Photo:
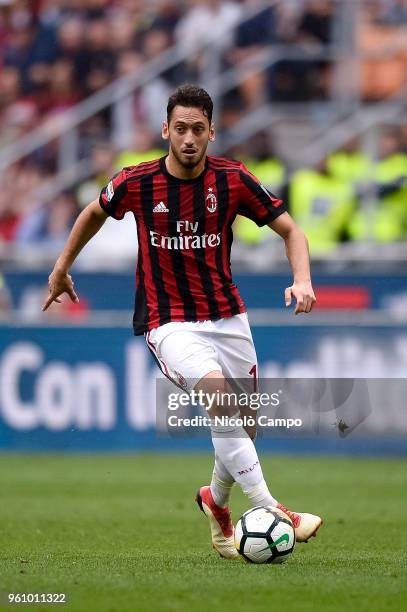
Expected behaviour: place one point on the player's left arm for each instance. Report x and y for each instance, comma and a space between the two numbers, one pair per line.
258, 204
296, 245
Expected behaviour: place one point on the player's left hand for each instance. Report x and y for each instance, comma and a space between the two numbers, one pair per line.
303, 293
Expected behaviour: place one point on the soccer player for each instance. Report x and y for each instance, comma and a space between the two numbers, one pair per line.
190, 312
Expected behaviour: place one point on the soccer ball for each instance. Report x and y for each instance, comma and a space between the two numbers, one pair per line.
264, 535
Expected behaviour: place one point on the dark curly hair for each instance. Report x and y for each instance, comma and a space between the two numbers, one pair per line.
191, 96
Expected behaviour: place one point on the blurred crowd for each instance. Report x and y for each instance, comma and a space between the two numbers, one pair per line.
54, 53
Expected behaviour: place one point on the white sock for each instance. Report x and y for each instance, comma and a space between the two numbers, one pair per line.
238, 454
221, 483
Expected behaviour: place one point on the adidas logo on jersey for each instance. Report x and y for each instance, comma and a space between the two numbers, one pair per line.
160, 208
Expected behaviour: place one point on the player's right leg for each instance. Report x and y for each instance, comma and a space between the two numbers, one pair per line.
220, 523
186, 358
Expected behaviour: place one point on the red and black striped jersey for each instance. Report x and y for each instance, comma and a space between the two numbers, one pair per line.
184, 230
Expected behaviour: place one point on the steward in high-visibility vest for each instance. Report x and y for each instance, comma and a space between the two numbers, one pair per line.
322, 206
382, 214
271, 174
350, 166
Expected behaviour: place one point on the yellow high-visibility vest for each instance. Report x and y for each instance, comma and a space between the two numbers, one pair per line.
322, 206
384, 220
353, 167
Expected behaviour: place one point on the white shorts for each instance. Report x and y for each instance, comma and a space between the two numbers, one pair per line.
188, 351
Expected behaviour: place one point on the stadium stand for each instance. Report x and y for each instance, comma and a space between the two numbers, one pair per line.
289, 62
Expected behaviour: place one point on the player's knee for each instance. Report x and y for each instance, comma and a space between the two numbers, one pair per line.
217, 394
214, 382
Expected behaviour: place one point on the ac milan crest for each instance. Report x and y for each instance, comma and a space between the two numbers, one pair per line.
211, 201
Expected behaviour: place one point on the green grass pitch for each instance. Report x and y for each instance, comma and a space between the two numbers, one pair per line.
122, 533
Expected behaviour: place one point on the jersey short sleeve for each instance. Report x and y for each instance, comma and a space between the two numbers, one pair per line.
114, 198
256, 202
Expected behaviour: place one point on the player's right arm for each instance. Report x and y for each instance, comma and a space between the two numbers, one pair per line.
86, 226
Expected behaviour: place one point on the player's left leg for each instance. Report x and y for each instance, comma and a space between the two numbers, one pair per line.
233, 444
238, 453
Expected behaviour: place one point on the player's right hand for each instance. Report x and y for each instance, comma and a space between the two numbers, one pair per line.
59, 283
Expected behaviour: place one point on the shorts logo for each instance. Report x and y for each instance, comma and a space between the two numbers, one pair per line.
109, 191
181, 380
211, 201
